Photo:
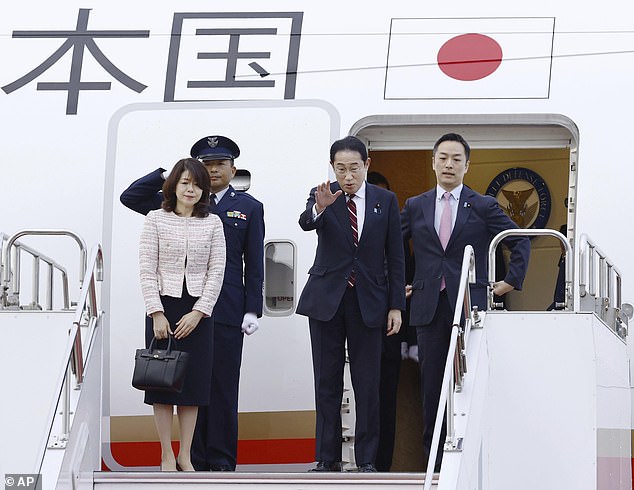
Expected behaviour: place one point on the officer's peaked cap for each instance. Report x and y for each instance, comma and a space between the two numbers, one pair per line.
215, 148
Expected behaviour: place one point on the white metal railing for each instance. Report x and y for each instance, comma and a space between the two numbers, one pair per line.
86, 315
568, 303
87, 309
456, 363
600, 287
10, 287
10, 291
599, 281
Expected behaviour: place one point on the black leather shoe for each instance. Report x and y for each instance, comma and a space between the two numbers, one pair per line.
221, 467
327, 466
367, 468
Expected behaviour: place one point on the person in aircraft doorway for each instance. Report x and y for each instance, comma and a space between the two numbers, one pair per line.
181, 267
441, 222
239, 306
354, 294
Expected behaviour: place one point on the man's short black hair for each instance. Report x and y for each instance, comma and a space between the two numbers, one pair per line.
453, 137
350, 143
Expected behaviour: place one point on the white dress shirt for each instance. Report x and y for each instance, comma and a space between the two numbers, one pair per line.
440, 205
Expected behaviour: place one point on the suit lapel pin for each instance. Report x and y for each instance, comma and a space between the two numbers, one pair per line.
467, 205
377, 208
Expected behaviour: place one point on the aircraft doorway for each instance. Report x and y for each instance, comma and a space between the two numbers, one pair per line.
530, 164
409, 173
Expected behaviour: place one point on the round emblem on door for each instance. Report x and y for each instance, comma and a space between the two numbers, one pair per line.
523, 195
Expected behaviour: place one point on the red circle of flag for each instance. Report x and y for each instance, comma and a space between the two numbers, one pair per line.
469, 57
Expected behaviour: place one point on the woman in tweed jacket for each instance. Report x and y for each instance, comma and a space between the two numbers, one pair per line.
182, 261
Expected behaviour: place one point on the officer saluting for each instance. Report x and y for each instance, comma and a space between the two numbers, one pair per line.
239, 304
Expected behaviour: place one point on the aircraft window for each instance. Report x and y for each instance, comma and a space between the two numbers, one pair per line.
279, 278
241, 180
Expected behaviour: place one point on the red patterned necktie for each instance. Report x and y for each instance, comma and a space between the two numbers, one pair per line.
444, 230
352, 214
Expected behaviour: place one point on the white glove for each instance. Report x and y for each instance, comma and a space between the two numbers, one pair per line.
250, 323
413, 352
404, 355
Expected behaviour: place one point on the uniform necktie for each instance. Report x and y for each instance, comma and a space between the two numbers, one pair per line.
352, 214
212, 203
444, 230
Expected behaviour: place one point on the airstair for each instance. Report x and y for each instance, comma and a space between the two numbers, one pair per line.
52, 369
533, 399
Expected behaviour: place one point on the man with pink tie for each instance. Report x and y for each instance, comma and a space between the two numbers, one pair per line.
441, 222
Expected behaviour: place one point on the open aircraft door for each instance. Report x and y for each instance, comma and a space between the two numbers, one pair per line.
278, 164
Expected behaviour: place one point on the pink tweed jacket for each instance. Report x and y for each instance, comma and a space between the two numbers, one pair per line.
166, 240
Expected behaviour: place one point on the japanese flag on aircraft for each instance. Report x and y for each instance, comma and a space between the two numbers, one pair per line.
484, 58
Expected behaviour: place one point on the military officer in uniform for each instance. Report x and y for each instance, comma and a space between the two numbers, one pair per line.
240, 302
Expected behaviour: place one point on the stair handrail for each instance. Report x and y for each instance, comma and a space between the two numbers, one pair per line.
606, 271
464, 306
87, 314
11, 299
455, 364
445, 394
87, 308
605, 297
569, 288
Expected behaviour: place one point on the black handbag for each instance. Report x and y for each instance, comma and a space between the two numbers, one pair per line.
158, 369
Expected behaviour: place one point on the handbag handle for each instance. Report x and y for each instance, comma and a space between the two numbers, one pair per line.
169, 344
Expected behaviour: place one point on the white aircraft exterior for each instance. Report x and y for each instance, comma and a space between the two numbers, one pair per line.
96, 94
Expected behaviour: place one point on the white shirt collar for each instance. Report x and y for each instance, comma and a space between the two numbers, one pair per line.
455, 192
220, 194
361, 192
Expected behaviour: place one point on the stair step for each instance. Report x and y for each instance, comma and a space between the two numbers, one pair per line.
142, 480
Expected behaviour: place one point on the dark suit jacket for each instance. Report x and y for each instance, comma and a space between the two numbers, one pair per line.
378, 260
243, 220
478, 220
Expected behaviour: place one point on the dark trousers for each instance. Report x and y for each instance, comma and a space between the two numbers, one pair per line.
328, 340
215, 441
390, 370
433, 345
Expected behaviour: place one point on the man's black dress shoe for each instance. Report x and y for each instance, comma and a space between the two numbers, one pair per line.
367, 468
328, 466
221, 467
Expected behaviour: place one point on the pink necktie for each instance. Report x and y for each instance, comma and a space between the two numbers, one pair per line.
444, 230
352, 214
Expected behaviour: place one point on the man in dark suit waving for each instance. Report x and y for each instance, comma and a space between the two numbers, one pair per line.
441, 222
355, 293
